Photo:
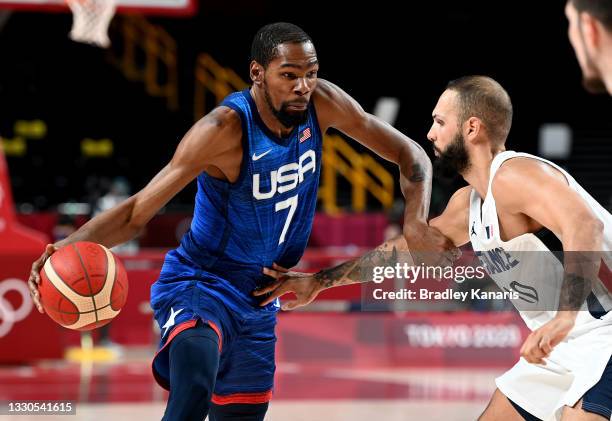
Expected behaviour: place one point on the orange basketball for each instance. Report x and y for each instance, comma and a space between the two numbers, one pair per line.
83, 286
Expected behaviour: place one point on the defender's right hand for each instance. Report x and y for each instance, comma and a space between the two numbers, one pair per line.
34, 279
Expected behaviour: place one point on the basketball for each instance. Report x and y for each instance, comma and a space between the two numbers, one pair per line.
83, 286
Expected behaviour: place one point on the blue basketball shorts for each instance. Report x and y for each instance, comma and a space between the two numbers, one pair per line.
182, 295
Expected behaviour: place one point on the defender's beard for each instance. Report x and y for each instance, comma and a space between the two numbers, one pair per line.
454, 160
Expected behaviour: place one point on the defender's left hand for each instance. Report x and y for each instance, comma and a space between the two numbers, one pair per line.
541, 342
304, 285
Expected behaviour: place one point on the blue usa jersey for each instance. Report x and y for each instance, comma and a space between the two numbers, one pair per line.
266, 215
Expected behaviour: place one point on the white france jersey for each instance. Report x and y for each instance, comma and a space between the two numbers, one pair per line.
526, 266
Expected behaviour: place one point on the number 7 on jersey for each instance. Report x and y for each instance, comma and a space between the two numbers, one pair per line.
290, 203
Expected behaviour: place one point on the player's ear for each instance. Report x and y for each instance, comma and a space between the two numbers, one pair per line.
257, 73
472, 128
591, 29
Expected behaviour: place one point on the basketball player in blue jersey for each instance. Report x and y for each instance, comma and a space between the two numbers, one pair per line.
515, 202
257, 159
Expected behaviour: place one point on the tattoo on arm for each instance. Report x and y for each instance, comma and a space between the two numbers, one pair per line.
574, 292
357, 270
415, 183
418, 175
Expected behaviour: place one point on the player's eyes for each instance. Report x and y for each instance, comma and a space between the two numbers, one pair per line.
312, 74
289, 75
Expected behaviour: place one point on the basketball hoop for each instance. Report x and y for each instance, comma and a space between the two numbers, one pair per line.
91, 19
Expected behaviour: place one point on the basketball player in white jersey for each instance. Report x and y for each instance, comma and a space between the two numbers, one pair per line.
512, 198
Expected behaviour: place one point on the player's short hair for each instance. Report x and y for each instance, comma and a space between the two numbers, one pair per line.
484, 98
264, 48
599, 9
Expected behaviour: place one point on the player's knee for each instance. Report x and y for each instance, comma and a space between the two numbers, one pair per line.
194, 360
486, 415
500, 408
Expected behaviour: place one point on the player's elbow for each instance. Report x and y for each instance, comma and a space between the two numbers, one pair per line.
594, 226
135, 228
589, 231
421, 156
414, 162
134, 221
135, 225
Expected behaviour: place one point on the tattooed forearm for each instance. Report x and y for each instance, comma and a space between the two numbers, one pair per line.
418, 174
574, 292
335, 276
358, 270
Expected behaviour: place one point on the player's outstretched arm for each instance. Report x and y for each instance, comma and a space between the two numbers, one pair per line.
307, 286
452, 225
518, 189
335, 108
211, 139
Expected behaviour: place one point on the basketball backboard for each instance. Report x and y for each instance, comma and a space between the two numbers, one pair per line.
155, 7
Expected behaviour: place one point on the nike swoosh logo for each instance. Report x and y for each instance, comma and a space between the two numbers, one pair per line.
256, 157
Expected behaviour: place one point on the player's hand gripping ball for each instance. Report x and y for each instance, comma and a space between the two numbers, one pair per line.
83, 286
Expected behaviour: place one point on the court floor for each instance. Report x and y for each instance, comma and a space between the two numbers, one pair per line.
304, 410
125, 390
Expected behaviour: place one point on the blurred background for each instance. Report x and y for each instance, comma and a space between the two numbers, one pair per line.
84, 127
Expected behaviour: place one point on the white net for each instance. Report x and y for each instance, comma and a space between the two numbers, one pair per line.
91, 19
